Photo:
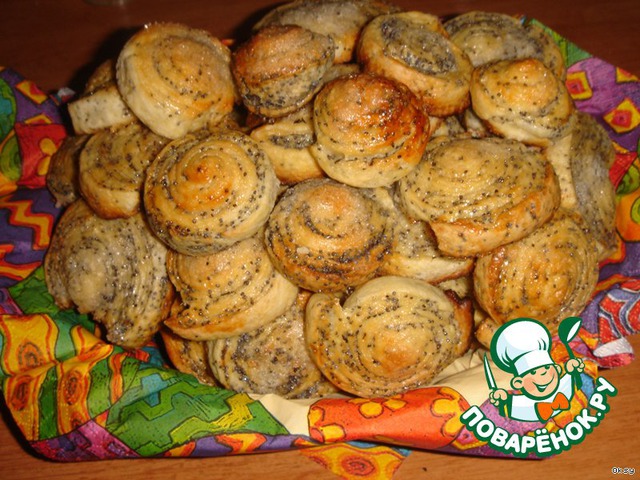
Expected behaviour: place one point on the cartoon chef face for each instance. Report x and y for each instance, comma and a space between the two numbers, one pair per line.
538, 383
522, 348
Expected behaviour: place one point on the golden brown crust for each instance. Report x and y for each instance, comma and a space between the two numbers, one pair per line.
112, 168
327, 236
478, 194
280, 67
548, 275
413, 48
188, 356
341, 20
522, 100
111, 269
392, 334
176, 79
227, 293
370, 130
204, 193
270, 359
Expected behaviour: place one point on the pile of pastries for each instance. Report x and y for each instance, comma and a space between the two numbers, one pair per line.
347, 200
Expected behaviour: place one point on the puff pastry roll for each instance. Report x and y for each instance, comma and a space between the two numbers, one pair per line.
113, 270
392, 334
582, 160
62, 176
100, 105
478, 194
414, 251
287, 142
228, 292
341, 20
522, 100
548, 275
113, 166
280, 67
176, 79
488, 37
413, 48
188, 356
206, 192
370, 130
270, 359
327, 236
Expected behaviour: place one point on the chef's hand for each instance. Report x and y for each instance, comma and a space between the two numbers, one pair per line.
574, 365
498, 396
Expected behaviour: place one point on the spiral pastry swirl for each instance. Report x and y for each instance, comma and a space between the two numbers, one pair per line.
414, 251
227, 293
280, 68
582, 160
113, 166
522, 100
341, 20
478, 194
392, 334
370, 131
176, 79
206, 192
488, 37
327, 236
270, 359
548, 275
113, 270
62, 176
413, 48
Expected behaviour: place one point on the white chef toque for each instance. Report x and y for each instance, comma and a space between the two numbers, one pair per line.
521, 345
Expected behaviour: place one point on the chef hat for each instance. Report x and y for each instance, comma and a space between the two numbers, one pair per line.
521, 345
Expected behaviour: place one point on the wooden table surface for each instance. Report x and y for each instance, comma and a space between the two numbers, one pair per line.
57, 43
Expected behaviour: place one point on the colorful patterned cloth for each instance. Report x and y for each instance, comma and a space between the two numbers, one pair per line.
75, 397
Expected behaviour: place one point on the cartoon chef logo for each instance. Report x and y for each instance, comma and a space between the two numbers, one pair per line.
522, 348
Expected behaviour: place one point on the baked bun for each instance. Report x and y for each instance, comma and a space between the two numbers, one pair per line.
392, 334
287, 142
522, 100
340, 20
413, 48
414, 250
488, 37
478, 194
280, 67
112, 168
227, 293
188, 356
270, 359
327, 236
582, 160
62, 176
176, 79
111, 269
548, 275
206, 192
100, 106
370, 130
